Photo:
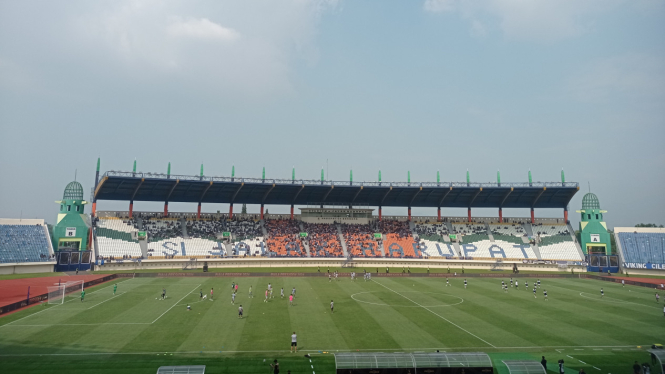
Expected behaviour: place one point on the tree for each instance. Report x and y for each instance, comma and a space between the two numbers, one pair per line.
244, 209
647, 225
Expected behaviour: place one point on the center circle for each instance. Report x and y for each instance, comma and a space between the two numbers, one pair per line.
407, 299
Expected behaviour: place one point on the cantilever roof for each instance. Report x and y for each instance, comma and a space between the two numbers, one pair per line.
130, 186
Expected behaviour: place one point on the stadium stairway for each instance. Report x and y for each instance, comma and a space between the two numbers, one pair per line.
534, 247
262, 223
536, 251
528, 229
305, 243
383, 252
449, 226
489, 232
341, 240
458, 250
183, 224
48, 237
577, 244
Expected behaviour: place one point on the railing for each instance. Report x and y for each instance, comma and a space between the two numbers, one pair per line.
315, 182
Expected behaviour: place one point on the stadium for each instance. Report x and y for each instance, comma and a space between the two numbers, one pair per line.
390, 187
148, 291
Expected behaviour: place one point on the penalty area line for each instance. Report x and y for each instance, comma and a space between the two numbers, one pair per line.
41, 311
176, 303
102, 302
270, 351
438, 315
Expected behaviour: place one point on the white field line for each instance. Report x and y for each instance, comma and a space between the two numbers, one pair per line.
438, 315
268, 351
176, 303
615, 301
85, 324
120, 294
41, 311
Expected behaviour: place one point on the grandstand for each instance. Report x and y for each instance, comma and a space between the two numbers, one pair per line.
25, 241
330, 226
360, 241
641, 247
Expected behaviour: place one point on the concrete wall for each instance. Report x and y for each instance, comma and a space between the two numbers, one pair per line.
329, 220
12, 221
27, 268
380, 263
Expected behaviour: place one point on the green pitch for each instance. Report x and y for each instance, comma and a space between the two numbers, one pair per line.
136, 332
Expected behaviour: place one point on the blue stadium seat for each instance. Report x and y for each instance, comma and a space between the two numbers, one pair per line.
23, 243
643, 247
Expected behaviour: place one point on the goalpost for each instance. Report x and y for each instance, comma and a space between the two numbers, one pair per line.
64, 292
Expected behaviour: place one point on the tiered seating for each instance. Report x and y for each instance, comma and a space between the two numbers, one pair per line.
323, 240
162, 228
433, 232
114, 240
643, 247
23, 243
213, 228
470, 232
544, 230
398, 235
359, 239
555, 243
283, 234
431, 240
508, 232
497, 249
180, 247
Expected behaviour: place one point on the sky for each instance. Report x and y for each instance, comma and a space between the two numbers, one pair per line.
397, 86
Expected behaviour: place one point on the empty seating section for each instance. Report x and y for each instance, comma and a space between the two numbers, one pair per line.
555, 242
114, 239
475, 241
284, 238
643, 247
566, 250
397, 236
360, 241
508, 232
323, 240
431, 248
24, 243
486, 249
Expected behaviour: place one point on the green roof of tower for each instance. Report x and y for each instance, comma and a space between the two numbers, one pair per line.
590, 202
73, 191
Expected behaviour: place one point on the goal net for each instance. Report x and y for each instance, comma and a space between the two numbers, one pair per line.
64, 292
191, 264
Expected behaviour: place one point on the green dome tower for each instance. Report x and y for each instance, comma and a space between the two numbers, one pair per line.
594, 237
72, 229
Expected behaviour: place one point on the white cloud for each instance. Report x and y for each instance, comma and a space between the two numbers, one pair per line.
252, 46
201, 28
